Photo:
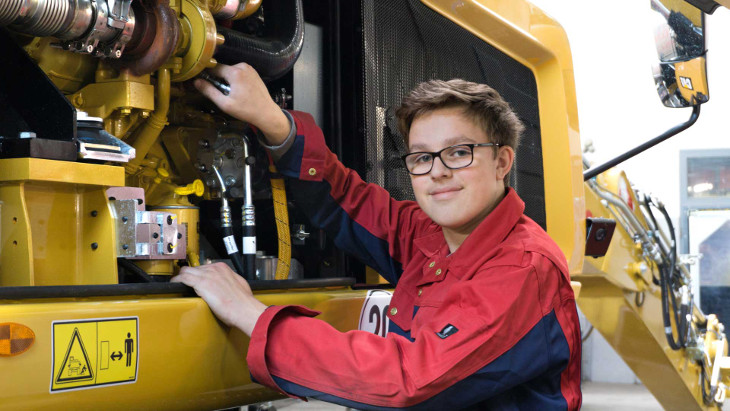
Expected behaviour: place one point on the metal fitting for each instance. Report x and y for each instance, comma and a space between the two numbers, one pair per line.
98, 27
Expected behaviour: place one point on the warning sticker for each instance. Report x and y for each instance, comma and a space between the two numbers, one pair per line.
92, 353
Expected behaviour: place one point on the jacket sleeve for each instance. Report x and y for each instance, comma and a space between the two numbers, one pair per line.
362, 218
490, 333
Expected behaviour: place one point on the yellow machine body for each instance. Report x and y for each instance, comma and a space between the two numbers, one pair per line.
186, 359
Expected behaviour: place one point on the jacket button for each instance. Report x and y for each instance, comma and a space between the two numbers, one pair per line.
393, 311
420, 291
438, 272
312, 171
432, 264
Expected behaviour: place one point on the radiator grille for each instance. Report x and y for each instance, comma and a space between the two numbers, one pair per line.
405, 43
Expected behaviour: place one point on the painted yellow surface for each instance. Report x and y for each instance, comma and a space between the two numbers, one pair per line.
50, 211
691, 78
187, 358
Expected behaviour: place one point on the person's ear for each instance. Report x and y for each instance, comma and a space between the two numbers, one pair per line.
505, 158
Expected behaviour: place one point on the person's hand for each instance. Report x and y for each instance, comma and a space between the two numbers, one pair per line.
228, 295
249, 100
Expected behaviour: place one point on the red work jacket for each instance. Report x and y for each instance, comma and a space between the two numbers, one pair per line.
492, 326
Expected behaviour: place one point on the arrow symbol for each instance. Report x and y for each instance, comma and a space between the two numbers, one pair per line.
116, 355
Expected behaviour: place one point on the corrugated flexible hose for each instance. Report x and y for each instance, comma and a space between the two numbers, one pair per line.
281, 213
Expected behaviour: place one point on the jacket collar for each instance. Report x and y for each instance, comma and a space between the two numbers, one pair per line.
488, 234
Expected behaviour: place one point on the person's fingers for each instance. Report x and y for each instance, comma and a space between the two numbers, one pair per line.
224, 71
208, 90
188, 279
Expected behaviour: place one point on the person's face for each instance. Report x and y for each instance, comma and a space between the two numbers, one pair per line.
457, 200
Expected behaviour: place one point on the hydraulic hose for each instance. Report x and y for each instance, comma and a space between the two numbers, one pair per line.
668, 297
135, 269
281, 214
227, 225
249, 214
273, 56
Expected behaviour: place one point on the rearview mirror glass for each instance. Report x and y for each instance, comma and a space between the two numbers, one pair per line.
680, 74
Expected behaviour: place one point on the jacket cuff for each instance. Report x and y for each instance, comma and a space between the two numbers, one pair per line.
256, 356
278, 151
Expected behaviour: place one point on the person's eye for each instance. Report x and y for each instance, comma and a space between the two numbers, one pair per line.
422, 158
458, 152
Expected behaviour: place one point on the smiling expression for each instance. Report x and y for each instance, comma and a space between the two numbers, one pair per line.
457, 200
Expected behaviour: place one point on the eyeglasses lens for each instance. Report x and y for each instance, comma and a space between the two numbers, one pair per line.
453, 157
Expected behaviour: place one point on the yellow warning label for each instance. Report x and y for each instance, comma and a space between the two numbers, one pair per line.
92, 353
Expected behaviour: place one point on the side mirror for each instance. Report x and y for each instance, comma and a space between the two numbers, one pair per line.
681, 73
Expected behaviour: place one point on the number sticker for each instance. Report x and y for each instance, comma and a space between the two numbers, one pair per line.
373, 316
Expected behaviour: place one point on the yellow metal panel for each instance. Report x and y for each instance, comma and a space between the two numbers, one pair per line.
187, 358
23, 169
637, 335
16, 253
528, 35
57, 224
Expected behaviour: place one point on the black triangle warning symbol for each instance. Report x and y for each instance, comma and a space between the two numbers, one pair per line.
76, 365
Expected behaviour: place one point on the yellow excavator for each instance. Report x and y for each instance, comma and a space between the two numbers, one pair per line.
115, 172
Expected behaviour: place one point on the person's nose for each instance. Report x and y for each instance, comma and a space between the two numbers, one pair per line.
439, 169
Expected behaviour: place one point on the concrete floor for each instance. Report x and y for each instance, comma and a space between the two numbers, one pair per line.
596, 397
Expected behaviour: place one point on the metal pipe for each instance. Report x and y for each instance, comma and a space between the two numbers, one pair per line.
151, 129
249, 216
82, 25
639, 149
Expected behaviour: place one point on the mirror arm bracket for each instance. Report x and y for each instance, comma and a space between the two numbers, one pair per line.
588, 174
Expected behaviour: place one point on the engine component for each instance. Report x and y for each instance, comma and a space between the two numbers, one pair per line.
154, 39
271, 57
225, 153
145, 235
199, 40
98, 27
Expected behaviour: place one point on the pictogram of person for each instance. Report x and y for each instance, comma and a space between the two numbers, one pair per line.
129, 348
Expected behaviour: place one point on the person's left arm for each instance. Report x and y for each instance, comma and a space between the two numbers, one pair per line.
497, 330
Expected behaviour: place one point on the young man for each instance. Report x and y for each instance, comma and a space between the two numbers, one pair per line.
483, 315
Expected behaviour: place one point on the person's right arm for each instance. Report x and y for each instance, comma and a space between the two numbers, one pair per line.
249, 101
362, 218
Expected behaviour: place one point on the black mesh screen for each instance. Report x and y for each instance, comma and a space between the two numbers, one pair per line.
405, 43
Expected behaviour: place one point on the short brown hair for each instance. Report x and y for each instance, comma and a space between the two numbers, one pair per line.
481, 103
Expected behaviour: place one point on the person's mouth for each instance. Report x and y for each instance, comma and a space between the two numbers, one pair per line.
444, 193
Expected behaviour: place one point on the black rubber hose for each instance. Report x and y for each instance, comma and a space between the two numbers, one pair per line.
235, 256
667, 285
134, 269
273, 56
682, 324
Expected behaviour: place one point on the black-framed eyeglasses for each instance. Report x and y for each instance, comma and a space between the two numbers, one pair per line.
453, 157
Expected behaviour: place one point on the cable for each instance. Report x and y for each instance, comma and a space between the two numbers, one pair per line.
227, 224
